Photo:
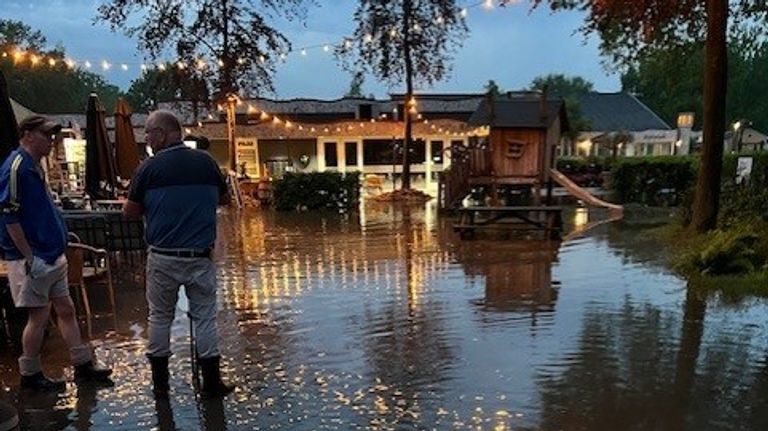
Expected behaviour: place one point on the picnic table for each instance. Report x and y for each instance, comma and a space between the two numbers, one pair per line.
542, 218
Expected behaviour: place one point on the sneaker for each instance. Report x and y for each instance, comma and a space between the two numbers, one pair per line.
91, 373
39, 382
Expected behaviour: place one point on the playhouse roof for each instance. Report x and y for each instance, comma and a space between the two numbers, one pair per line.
519, 112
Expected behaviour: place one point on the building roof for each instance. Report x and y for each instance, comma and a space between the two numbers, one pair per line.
618, 111
518, 111
343, 108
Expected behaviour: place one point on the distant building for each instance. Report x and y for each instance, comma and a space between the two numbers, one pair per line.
622, 124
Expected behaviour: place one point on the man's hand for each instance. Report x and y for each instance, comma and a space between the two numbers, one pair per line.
132, 209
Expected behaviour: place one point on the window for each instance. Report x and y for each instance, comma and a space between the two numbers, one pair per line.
364, 111
515, 148
382, 151
437, 152
418, 151
350, 149
331, 157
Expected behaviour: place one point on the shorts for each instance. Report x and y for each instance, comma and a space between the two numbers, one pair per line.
36, 292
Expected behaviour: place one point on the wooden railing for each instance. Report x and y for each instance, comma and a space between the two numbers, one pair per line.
454, 182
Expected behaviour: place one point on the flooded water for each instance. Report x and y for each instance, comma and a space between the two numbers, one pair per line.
388, 321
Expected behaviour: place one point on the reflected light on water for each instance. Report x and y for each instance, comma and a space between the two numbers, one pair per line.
390, 321
580, 217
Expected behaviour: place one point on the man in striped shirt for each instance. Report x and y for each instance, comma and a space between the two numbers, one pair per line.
33, 239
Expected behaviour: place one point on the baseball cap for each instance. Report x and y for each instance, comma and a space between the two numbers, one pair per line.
41, 123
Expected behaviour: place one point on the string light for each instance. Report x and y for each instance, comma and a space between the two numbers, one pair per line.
346, 42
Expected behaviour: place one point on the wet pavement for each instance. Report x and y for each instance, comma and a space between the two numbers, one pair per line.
387, 320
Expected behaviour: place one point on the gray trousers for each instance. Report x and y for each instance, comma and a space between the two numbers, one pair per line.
165, 274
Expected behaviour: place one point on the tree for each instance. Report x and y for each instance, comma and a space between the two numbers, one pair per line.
670, 81
168, 84
569, 88
356, 85
17, 35
629, 30
405, 40
43, 87
492, 89
234, 34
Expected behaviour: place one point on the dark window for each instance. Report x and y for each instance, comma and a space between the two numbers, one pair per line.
418, 151
331, 158
382, 151
350, 150
515, 148
437, 152
400, 111
364, 111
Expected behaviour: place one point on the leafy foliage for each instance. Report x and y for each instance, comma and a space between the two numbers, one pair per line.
156, 85
653, 180
317, 191
45, 88
569, 88
671, 80
737, 250
235, 33
389, 34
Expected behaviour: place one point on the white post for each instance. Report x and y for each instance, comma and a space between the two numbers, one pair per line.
320, 154
427, 163
360, 165
341, 155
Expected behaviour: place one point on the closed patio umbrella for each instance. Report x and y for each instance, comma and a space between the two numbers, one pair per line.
125, 142
99, 159
9, 134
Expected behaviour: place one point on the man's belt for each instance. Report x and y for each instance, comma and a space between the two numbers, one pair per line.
183, 253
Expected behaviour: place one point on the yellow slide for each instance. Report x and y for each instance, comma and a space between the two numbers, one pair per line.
580, 193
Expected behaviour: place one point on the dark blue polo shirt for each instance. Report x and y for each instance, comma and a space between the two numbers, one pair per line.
179, 190
25, 199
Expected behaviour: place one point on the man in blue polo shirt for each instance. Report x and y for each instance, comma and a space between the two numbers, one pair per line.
33, 240
177, 191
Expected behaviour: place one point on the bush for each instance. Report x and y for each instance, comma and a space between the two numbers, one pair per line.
740, 249
655, 181
317, 190
585, 172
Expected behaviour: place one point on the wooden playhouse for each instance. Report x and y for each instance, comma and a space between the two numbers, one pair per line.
506, 173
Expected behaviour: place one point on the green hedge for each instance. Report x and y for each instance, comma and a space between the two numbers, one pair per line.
742, 200
655, 181
586, 172
317, 190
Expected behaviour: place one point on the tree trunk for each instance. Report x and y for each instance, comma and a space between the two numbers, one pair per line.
707, 199
408, 140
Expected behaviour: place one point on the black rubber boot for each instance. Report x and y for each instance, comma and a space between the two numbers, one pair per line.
9, 419
160, 386
91, 373
38, 382
212, 384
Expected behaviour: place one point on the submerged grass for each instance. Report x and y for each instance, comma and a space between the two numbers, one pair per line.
732, 260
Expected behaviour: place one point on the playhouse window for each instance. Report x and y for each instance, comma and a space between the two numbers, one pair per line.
515, 149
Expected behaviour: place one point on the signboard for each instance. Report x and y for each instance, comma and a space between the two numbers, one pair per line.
247, 157
743, 170
74, 151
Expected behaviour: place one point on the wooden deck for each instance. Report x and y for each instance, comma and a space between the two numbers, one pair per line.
547, 219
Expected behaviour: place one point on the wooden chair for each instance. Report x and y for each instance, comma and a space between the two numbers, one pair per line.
373, 184
86, 265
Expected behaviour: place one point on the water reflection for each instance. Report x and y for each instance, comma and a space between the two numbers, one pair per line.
390, 321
